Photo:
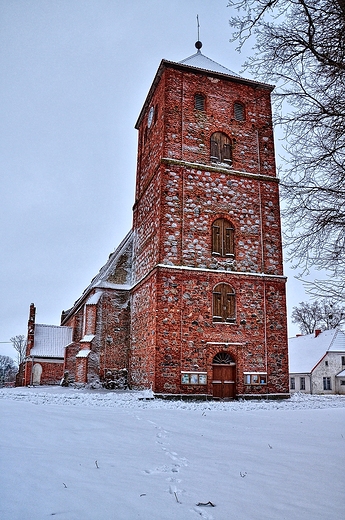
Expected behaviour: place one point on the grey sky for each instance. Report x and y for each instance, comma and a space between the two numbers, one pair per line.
74, 75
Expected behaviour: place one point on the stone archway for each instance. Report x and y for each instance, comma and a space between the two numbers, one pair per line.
36, 374
224, 376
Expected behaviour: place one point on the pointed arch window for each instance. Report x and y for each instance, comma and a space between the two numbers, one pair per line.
224, 303
221, 148
222, 238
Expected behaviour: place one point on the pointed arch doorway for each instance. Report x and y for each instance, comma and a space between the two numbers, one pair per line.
224, 376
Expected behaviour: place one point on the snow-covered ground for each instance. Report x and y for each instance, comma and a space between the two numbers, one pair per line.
100, 455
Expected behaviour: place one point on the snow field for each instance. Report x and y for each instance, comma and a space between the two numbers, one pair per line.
89, 455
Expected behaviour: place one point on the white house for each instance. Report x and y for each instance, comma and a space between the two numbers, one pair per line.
317, 362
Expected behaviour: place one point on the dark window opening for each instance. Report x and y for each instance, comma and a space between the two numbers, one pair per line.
199, 102
239, 112
222, 238
327, 383
223, 303
221, 148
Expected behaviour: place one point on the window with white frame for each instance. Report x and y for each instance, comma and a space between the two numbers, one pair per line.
302, 383
255, 378
292, 383
194, 378
327, 383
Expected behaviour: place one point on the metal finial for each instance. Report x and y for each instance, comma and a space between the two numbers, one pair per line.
198, 44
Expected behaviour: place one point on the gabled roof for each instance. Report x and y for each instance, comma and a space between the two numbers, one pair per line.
200, 61
305, 352
50, 341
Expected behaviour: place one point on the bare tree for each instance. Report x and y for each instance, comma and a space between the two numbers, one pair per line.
19, 344
8, 370
300, 46
323, 314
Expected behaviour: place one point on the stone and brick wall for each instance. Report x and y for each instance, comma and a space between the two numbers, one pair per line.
143, 341
180, 193
188, 339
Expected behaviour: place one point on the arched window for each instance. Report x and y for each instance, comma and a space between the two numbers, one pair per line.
223, 303
222, 358
239, 112
222, 238
221, 148
199, 102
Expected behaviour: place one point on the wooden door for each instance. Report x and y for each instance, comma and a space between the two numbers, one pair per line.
224, 381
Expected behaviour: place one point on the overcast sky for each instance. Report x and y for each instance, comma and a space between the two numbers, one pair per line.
74, 76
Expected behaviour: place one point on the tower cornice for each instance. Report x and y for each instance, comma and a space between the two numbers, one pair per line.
227, 171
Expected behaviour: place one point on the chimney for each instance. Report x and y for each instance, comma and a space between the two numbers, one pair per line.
31, 329
317, 332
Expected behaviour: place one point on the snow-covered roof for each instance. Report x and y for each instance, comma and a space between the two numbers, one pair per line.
94, 298
83, 353
87, 338
200, 61
115, 274
341, 374
51, 340
305, 352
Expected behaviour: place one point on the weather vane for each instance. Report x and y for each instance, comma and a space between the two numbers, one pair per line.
198, 44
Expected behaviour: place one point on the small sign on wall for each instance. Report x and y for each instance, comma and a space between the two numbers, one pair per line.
194, 378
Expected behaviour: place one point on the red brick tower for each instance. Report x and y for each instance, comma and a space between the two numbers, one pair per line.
208, 299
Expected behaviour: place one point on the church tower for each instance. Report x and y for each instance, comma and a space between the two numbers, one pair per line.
208, 308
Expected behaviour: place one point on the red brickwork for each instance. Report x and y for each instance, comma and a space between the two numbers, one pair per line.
180, 193
52, 372
143, 334
108, 323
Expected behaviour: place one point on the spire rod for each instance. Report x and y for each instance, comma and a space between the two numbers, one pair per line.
198, 44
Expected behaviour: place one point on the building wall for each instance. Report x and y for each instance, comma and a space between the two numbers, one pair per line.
192, 199
143, 332
108, 322
329, 366
298, 384
52, 371
188, 339
188, 131
179, 194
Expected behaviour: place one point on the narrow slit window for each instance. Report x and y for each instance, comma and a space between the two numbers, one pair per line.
239, 112
199, 102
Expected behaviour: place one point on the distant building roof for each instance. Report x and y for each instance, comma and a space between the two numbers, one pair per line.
50, 341
200, 61
305, 352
